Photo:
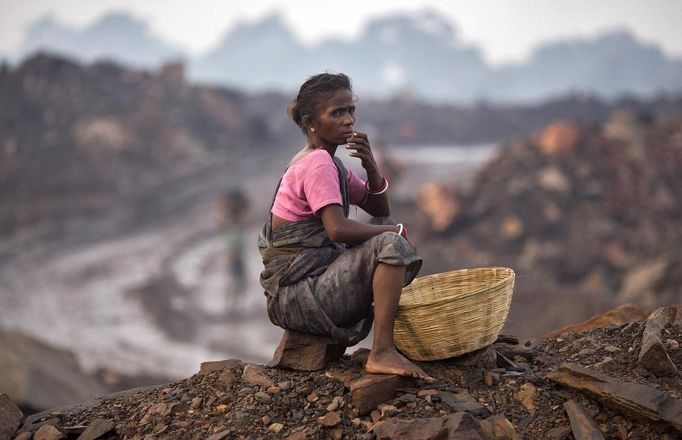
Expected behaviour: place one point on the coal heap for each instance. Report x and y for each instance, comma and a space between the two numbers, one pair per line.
588, 217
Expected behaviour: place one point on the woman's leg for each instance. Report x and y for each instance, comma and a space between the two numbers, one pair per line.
387, 286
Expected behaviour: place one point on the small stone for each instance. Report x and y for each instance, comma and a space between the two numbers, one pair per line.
335, 404
246, 390
222, 435
330, 419
227, 377
262, 397
240, 417
276, 427
300, 435
424, 393
273, 390
285, 386
612, 349
196, 403
312, 397
360, 356
586, 351
375, 415
356, 421
388, 411
211, 366
499, 428
265, 419
335, 434
48, 432
98, 428
490, 378
255, 375
222, 409
526, 395
672, 344
559, 433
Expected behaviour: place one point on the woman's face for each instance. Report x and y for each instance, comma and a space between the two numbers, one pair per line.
334, 123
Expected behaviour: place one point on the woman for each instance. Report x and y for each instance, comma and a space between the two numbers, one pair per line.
323, 271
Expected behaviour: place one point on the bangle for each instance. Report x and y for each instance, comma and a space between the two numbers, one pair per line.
381, 191
401, 228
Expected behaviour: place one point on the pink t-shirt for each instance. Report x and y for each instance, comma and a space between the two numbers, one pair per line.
312, 183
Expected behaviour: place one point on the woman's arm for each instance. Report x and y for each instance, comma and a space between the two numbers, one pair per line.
343, 230
376, 205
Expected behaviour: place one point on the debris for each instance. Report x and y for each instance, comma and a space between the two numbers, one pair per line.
582, 425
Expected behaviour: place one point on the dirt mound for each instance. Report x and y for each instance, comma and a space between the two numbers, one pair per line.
523, 391
592, 215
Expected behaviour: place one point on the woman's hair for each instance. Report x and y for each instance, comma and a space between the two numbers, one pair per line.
313, 92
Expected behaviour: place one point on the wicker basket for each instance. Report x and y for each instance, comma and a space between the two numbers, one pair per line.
453, 313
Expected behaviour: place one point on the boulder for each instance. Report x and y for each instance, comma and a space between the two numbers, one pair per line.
10, 417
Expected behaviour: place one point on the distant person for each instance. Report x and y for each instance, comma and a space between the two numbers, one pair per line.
323, 271
234, 205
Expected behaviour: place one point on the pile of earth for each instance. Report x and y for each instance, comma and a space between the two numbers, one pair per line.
585, 384
588, 219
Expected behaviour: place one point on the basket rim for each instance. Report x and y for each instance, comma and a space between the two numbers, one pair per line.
511, 275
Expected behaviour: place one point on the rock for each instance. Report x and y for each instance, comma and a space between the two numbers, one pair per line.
228, 377
211, 366
499, 428
463, 401
96, 429
48, 432
10, 417
512, 351
22, 436
372, 389
255, 375
262, 397
222, 435
300, 435
387, 411
40, 376
461, 426
653, 355
360, 356
330, 419
337, 402
624, 314
490, 378
526, 395
276, 427
626, 397
481, 358
424, 393
558, 138
582, 425
222, 409
558, 433
303, 352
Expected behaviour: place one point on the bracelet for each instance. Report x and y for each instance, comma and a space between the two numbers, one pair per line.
381, 191
401, 228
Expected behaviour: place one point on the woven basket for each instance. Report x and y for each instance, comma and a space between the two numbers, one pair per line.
452, 313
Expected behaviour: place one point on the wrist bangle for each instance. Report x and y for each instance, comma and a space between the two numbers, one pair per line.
381, 191
401, 228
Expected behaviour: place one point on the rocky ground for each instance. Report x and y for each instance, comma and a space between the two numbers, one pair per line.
586, 384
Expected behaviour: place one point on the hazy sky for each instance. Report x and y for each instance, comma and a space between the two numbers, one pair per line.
505, 30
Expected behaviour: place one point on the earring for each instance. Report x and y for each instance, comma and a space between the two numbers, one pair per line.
312, 129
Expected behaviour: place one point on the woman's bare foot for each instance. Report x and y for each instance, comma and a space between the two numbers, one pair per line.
392, 362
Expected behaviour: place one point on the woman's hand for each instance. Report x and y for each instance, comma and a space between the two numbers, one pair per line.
359, 144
